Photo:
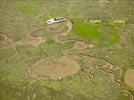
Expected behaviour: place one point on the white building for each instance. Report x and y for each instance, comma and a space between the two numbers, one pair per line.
55, 20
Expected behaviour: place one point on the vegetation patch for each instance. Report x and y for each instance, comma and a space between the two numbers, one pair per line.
1, 39
31, 48
45, 17
28, 8
106, 34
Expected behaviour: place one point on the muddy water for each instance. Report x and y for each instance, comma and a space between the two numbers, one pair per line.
129, 77
55, 68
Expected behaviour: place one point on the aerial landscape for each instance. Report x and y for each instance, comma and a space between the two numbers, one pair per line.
66, 49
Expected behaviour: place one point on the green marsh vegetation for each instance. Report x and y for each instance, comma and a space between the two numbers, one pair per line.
105, 34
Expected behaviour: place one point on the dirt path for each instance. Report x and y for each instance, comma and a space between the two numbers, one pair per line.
60, 37
69, 25
109, 66
7, 37
7, 42
30, 40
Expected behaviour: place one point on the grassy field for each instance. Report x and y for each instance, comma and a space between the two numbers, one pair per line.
103, 64
104, 34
